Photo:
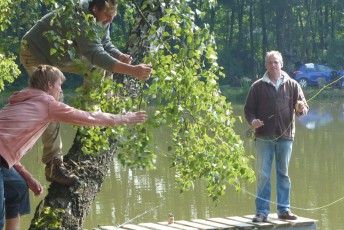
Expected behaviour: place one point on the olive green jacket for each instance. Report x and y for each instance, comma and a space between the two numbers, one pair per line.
98, 51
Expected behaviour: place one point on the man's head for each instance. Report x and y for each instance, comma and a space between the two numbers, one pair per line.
48, 79
103, 10
273, 61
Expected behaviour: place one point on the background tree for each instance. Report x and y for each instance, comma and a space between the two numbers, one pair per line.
8, 68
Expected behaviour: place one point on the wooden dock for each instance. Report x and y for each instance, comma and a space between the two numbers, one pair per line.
233, 222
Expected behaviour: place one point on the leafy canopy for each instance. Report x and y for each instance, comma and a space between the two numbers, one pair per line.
187, 101
8, 68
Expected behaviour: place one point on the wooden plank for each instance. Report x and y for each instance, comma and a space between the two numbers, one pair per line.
157, 226
237, 224
232, 222
300, 221
134, 227
110, 228
195, 225
179, 226
214, 224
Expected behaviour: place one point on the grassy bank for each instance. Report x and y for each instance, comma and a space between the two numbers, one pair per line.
238, 94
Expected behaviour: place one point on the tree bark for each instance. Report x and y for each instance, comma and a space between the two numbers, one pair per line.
264, 29
76, 200
72, 204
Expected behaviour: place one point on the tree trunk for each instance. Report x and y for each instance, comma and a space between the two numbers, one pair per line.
264, 29
67, 207
280, 9
72, 204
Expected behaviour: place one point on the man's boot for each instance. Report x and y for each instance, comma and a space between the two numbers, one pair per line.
56, 171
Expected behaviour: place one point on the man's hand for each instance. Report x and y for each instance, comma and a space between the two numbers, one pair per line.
134, 118
300, 105
34, 186
126, 58
256, 123
142, 71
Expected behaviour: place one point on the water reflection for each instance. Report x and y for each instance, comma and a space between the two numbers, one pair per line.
148, 196
316, 118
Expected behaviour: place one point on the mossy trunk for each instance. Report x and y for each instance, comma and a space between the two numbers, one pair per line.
67, 207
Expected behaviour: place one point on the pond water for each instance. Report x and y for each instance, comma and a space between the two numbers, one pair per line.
316, 171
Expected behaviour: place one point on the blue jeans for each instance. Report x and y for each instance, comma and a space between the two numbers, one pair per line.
16, 193
266, 151
14, 188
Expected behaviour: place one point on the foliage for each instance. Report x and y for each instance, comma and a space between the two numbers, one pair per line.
335, 54
5, 8
186, 98
50, 218
102, 93
9, 70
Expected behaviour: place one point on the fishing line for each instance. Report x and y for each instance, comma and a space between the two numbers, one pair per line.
294, 207
140, 215
272, 202
324, 87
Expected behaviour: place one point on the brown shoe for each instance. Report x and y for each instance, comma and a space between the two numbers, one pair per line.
287, 216
258, 218
56, 171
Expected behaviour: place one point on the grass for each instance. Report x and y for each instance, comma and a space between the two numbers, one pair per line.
233, 94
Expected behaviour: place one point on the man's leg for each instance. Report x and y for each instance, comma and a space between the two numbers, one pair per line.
264, 155
283, 184
13, 223
52, 157
52, 149
17, 199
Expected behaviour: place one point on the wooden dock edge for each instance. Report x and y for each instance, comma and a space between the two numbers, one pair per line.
232, 222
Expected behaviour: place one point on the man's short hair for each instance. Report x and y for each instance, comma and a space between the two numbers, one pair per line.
43, 74
273, 53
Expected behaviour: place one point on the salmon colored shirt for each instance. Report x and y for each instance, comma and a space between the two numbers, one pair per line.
27, 115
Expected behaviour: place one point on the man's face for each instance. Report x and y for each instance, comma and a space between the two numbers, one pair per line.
55, 89
105, 15
273, 64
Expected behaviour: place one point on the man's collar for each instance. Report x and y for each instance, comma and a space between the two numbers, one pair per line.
266, 78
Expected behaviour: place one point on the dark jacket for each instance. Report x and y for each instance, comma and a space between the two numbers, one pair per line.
276, 108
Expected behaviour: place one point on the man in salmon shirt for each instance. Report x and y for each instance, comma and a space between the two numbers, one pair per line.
28, 113
82, 50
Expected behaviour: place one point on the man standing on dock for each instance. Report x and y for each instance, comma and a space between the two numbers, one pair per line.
270, 108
